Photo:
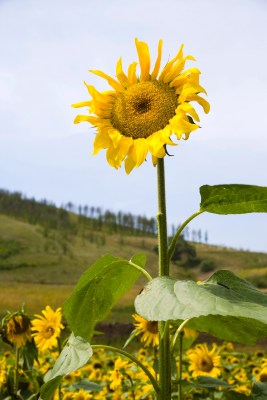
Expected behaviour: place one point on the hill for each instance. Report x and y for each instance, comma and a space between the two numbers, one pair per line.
41, 261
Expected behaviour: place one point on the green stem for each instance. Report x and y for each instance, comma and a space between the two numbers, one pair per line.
178, 331
144, 272
16, 377
180, 369
179, 231
164, 336
132, 358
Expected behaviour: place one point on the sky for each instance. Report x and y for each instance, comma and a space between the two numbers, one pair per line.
47, 48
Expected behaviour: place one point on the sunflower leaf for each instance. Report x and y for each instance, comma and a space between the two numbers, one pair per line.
74, 355
233, 199
259, 391
224, 305
97, 291
207, 382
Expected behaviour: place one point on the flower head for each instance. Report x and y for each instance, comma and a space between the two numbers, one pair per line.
46, 328
141, 112
204, 361
148, 329
116, 376
82, 395
18, 329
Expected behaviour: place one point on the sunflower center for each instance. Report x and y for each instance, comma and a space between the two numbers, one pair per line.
49, 332
206, 364
143, 109
263, 377
152, 326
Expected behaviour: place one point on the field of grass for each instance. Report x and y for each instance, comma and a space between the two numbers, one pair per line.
39, 267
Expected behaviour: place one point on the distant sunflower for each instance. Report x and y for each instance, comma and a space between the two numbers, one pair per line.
82, 395
18, 329
148, 329
116, 376
204, 361
46, 328
140, 113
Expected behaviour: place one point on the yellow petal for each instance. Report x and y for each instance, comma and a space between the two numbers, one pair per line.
176, 69
169, 64
205, 105
129, 165
87, 118
81, 104
158, 61
122, 78
191, 75
144, 59
187, 108
139, 151
102, 141
132, 73
112, 82
189, 89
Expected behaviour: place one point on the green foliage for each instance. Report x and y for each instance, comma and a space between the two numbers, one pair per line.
9, 248
207, 265
233, 199
74, 355
98, 290
224, 305
184, 253
259, 391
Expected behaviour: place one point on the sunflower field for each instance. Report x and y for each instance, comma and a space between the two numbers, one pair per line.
208, 371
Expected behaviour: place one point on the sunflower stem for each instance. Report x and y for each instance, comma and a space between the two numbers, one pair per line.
16, 377
164, 336
180, 368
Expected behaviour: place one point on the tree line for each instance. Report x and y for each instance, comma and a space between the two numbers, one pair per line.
49, 216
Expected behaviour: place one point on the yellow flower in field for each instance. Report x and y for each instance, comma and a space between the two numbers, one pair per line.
82, 395
3, 373
46, 328
204, 361
262, 377
18, 329
190, 334
116, 375
140, 113
148, 329
244, 389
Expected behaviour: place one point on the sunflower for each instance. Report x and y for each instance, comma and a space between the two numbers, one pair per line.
46, 328
116, 376
141, 112
18, 329
82, 395
204, 361
148, 329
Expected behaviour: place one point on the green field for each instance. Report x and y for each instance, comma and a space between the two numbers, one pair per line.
39, 267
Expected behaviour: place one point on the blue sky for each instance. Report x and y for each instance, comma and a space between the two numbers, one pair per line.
47, 48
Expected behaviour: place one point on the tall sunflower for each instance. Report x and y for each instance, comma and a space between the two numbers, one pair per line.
141, 112
148, 329
204, 361
46, 328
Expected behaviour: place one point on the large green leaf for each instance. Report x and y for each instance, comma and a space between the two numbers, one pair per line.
233, 199
224, 305
97, 291
74, 355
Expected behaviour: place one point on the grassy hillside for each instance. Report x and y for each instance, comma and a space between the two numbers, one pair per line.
40, 267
